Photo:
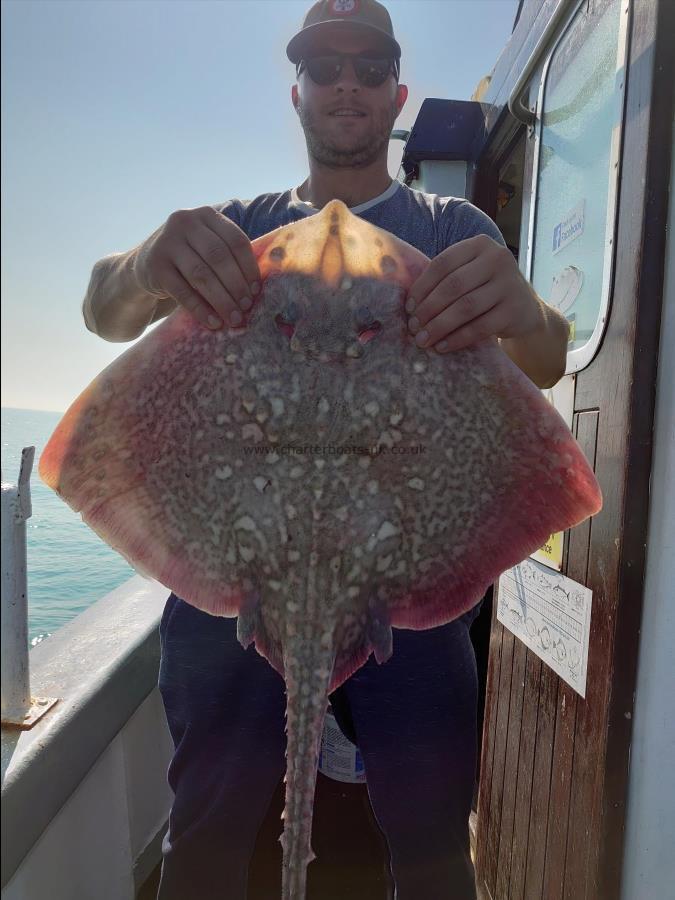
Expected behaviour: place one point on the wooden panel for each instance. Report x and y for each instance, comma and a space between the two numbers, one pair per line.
576, 565
498, 766
528, 731
511, 769
541, 782
570, 755
488, 744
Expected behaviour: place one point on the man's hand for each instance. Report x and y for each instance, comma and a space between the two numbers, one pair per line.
204, 261
474, 290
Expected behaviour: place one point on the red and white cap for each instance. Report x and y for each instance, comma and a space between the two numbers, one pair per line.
329, 16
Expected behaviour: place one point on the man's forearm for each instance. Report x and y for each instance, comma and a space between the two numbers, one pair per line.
115, 307
541, 354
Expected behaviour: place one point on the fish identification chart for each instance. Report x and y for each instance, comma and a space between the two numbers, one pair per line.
551, 614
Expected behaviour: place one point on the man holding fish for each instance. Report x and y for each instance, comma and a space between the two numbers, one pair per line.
414, 717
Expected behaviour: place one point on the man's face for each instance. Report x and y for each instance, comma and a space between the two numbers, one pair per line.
347, 141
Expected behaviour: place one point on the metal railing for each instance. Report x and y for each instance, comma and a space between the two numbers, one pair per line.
19, 708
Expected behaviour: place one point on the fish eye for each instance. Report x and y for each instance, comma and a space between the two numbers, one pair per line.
368, 332
363, 317
291, 313
366, 324
287, 318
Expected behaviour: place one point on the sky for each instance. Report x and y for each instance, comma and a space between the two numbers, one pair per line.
115, 113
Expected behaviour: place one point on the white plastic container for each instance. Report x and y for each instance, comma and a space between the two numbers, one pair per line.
339, 759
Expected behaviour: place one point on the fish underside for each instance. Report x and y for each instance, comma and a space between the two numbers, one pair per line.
317, 475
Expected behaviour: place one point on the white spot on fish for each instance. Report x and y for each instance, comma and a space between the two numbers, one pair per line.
261, 483
231, 358
252, 431
246, 523
346, 283
419, 366
222, 418
372, 408
223, 472
277, 406
247, 553
387, 529
383, 563
272, 457
395, 418
296, 472
293, 555
291, 511
275, 585
372, 487
323, 405
416, 484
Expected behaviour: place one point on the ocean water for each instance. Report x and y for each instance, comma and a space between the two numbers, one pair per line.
69, 566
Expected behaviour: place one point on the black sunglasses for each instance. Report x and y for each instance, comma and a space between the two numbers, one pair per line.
371, 71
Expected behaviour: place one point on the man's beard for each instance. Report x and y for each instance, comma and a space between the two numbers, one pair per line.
364, 151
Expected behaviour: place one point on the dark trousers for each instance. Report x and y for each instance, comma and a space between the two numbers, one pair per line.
414, 719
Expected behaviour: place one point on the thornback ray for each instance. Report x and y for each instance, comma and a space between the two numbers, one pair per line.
316, 474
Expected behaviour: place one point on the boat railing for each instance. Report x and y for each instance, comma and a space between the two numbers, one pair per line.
84, 774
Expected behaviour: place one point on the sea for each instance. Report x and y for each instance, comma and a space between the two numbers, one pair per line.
69, 566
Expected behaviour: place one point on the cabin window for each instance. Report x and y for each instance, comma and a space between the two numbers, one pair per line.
580, 112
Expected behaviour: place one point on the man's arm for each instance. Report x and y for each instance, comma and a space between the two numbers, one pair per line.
542, 353
115, 307
474, 290
199, 259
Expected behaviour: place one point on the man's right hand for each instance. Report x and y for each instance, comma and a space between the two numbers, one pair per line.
204, 261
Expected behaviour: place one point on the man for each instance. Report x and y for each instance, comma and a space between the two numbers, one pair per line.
414, 718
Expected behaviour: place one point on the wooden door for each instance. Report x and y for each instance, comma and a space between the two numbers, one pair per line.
554, 765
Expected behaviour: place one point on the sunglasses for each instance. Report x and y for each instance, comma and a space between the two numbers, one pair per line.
371, 71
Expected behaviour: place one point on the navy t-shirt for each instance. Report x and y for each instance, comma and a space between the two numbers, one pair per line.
425, 221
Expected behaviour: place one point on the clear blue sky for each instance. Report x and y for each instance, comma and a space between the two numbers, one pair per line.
114, 114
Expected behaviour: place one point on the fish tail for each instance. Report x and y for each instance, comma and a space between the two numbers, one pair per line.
308, 667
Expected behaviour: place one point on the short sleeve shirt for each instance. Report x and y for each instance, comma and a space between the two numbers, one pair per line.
425, 221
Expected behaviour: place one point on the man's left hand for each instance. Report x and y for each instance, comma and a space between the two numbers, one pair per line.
472, 291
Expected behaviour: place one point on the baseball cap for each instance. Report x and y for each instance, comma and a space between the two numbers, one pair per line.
326, 16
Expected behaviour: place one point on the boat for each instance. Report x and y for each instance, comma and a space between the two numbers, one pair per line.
567, 144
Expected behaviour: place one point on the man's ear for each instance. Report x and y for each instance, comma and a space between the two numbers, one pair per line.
401, 97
